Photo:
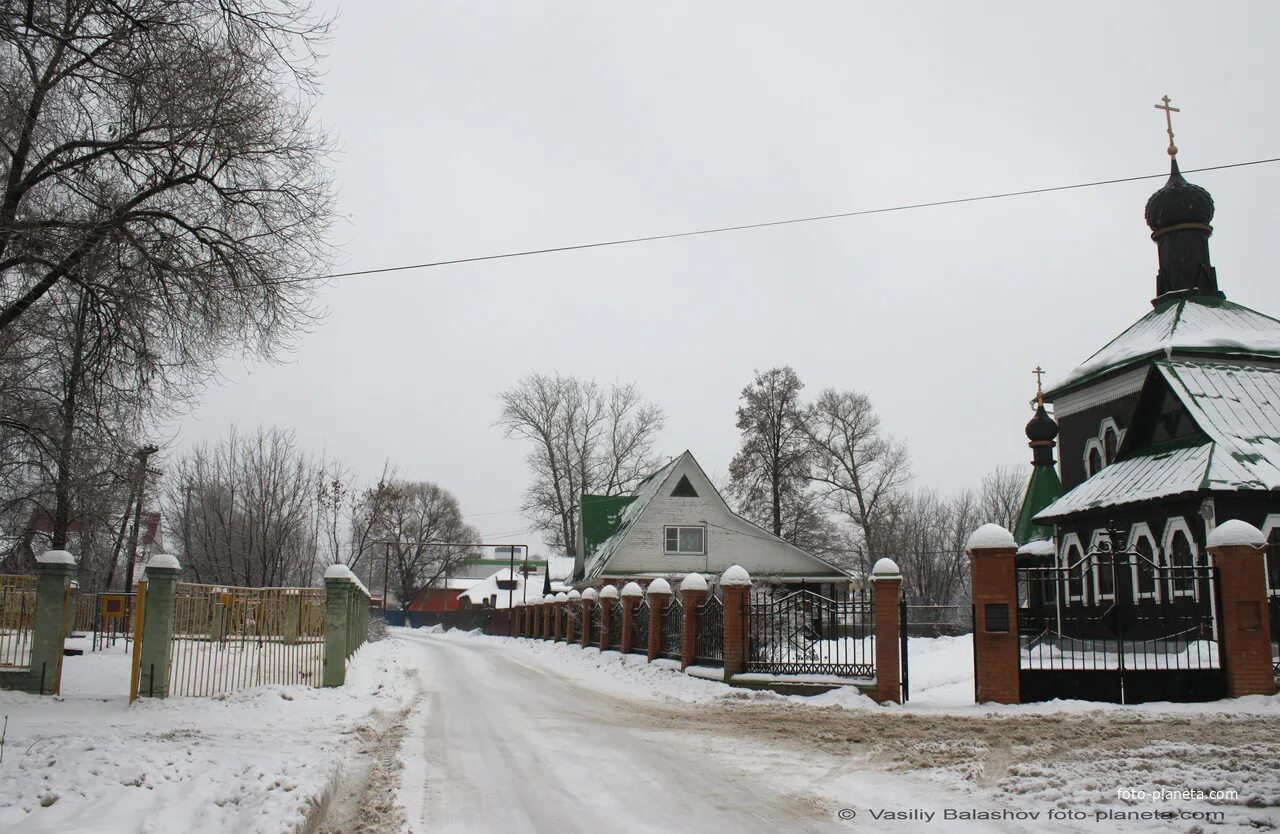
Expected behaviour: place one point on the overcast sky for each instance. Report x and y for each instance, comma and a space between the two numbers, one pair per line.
468, 129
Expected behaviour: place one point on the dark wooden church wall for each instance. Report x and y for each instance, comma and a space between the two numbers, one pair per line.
1078, 429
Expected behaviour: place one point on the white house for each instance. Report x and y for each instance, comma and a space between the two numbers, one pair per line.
675, 522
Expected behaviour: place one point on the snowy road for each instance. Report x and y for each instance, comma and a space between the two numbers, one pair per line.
505, 743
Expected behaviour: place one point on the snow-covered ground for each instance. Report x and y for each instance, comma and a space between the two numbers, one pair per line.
464, 733
259, 760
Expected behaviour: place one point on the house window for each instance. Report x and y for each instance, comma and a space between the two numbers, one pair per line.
686, 540
1144, 568
1182, 559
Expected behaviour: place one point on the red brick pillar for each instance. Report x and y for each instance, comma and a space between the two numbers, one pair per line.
631, 594
607, 595
994, 582
736, 586
693, 590
659, 594
548, 612
886, 587
1238, 550
589, 597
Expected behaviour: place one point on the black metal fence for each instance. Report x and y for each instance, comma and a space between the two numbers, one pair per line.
594, 624
802, 632
1275, 634
640, 628
938, 620
672, 628
572, 622
710, 648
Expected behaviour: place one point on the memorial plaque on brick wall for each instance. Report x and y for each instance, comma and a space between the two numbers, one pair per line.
996, 615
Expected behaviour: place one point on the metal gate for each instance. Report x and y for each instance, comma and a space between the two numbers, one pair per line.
801, 632
1118, 625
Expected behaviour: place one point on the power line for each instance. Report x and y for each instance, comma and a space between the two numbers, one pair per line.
761, 225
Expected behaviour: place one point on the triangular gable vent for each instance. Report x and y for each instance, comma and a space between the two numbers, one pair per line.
684, 489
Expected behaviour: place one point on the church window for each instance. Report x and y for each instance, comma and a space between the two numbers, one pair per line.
685, 540
684, 489
1095, 461
1110, 444
1273, 556
1145, 563
1102, 569
1182, 559
1072, 556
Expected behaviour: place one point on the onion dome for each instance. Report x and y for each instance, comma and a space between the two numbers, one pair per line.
1042, 427
1179, 202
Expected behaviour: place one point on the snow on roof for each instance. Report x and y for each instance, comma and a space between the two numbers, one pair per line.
484, 589
1236, 406
1236, 532
1197, 323
1039, 547
644, 492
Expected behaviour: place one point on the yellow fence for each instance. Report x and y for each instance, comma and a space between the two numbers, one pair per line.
86, 608
225, 639
17, 620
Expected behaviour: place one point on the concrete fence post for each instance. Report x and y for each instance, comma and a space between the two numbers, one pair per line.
693, 590
886, 587
337, 605
736, 586
659, 592
631, 594
157, 626
54, 569
1238, 550
994, 581
608, 594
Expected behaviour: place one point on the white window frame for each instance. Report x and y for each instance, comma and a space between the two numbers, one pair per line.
1068, 541
1171, 527
1090, 445
1142, 530
1095, 572
1109, 423
677, 527
1271, 522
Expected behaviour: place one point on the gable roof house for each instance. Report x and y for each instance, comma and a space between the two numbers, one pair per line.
676, 522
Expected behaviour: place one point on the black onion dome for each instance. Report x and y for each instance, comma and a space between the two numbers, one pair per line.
1042, 427
1178, 202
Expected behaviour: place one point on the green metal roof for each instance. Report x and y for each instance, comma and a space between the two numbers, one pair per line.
601, 517
1042, 490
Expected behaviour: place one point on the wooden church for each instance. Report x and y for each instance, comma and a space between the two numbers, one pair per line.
1169, 429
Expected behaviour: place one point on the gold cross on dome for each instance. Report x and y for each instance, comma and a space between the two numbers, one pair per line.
1039, 372
1168, 122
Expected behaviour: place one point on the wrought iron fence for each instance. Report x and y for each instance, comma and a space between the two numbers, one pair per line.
573, 622
710, 648
17, 620
1275, 634
672, 628
226, 639
640, 628
615, 624
595, 624
802, 632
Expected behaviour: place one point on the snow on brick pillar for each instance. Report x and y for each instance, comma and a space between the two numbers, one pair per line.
736, 585
631, 594
1238, 550
994, 582
886, 585
693, 590
659, 595
589, 597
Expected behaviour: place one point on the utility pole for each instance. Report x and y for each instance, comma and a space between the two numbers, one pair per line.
131, 553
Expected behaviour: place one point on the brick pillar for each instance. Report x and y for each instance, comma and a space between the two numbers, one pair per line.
607, 596
587, 614
995, 601
886, 586
736, 585
659, 594
629, 603
1238, 551
691, 596
557, 620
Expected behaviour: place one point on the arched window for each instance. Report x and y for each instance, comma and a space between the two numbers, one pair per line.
1072, 554
1182, 559
1110, 444
1103, 569
1145, 564
1095, 461
1273, 562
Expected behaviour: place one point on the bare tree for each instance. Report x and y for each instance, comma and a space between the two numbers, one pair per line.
585, 440
170, 137
423, 535
1000, 496
859, 468
771, 468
